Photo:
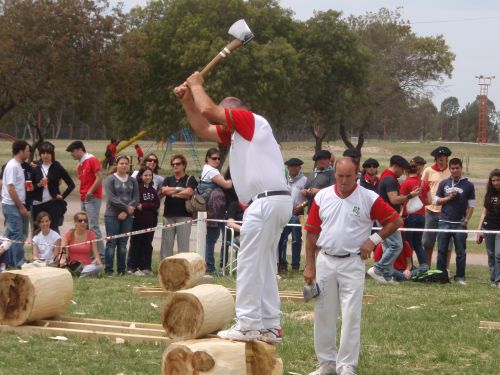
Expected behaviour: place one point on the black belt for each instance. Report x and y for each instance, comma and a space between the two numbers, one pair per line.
271, 194
340, 256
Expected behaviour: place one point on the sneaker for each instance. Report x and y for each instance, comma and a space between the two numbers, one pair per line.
374, 275
238, 334
3, 267
326, 368
148, 272
493, 284
139, 273
130, 272
392, 281
461, 282
214, 273
347, 370
109, 274
271, 335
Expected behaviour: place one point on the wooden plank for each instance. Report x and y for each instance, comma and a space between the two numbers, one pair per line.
94, 328
110, 322
284, 295
489, 325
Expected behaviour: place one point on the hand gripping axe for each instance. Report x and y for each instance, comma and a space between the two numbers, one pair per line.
242, 35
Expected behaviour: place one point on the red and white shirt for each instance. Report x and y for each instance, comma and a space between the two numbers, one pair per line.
255, 159
344, 224
87, 168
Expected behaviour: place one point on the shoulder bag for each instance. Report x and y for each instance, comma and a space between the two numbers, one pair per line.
197, 203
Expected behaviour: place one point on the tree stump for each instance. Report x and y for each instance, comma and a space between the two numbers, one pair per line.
181, 271
195, 312
221, 357
34, 293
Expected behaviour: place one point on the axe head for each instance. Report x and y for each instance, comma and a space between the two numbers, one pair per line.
241, 31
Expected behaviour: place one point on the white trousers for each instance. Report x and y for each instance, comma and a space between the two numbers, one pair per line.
257, 297
341, 282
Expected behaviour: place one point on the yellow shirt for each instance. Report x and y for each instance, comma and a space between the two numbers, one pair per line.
434, 177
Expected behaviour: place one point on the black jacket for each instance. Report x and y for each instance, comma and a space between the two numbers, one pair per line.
56, 173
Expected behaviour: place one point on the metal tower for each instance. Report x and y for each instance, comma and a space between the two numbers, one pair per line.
482, 123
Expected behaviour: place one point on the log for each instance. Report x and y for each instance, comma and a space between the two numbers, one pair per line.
34, 293
221, 357
181, 271
195, 312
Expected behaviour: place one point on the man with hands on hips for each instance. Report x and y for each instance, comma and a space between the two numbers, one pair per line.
337, 243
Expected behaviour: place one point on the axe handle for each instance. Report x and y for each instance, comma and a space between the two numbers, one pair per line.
221, 55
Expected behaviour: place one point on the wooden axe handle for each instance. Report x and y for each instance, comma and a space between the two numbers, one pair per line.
221, 55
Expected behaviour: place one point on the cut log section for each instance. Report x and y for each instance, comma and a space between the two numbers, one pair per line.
195, 312
483, 324
34, 293
221, 357
181, 271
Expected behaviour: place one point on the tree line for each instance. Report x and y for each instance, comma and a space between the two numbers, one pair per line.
88, 70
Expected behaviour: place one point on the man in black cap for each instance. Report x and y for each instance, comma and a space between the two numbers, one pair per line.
369, 179
322, 176
296, 182
434, 174
393, 245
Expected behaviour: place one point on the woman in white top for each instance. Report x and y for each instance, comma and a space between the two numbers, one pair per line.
211, 184
45, 240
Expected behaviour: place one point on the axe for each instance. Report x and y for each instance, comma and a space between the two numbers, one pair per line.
242, 35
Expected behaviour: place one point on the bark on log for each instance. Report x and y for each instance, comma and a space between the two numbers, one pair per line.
198, 311
181, 271
221, 357
32, 294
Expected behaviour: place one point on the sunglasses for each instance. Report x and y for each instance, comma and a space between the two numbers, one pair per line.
217, 158
175, 164
82, 220
153, 160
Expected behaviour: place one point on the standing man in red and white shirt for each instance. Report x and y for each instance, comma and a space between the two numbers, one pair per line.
337, 243
259, 180
90, 176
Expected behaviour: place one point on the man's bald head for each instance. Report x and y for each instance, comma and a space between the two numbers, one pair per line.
232, 102
346, 174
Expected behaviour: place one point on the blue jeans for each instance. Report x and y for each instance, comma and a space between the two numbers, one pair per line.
296, 244
211, 239
459, 240
14, 231
92, 206
392, 245
492, 242
415, 238
399, 275
113, 227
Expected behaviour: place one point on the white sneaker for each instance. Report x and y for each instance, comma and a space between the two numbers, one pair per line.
238, 334
381, 279
461, 282
392, 281
139, 273
347, 370
271, 335
3, 267
494, 285
148, 272
326, 368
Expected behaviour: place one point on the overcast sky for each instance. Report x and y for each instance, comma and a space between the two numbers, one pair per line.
470, 28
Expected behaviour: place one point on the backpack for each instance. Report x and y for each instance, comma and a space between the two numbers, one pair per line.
432, 276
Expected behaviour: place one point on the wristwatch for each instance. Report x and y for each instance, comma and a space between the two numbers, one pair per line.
409, 196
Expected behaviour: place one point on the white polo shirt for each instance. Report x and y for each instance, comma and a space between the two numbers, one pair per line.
13, 174
345, 223
255, 159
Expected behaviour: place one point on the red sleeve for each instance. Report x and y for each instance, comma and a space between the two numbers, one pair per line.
242, 121
313, 223
224, 135
94, 164
382, 212
377, 253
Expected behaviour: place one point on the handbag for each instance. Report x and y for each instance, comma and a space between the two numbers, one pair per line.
197, 203
415, 203
75, 267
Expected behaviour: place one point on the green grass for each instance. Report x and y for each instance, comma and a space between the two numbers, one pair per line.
440, 337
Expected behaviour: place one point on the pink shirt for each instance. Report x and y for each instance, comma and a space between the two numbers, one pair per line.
80, 252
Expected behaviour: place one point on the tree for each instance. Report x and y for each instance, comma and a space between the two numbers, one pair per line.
54, 57
402, 67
